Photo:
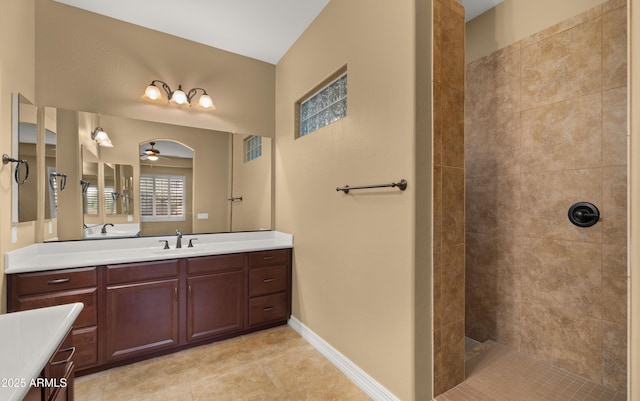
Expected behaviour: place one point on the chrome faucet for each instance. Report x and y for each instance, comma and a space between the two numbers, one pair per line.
179, 241
104, 228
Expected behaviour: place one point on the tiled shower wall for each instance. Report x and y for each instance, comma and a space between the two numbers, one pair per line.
448, 170
545, 122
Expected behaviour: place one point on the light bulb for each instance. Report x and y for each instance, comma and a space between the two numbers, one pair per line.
179, 97
152, 157
101, 135
205, 102
152, 93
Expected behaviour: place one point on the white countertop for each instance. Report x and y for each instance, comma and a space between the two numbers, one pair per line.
62, 255
27, 341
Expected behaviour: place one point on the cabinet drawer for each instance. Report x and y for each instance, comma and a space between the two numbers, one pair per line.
57, 280
88, 316
86, 342
132, 272
267, 280
60, 367
213, 264
269, 258
269, 308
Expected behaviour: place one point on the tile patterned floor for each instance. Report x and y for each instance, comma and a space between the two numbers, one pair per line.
275, 364
502, 374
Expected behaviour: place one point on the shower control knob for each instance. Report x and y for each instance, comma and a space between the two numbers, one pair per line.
584, 214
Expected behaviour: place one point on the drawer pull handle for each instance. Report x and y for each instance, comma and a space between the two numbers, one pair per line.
268, 308
59, 281
71, 352
268, 280
268, 257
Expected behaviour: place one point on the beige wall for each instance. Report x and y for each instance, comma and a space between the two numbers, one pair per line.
423, 228
93, 63
69, 161
17, 75
514, 20
354, 274
251, 181
546, 128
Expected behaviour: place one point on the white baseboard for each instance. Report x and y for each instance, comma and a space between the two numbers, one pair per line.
367, 383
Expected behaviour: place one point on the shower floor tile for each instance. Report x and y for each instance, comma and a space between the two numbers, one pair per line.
502, 374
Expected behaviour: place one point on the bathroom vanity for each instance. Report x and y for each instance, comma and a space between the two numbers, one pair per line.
142, 300
38, 354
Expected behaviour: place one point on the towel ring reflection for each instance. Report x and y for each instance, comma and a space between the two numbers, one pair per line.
85, 186
6, 159
52, 180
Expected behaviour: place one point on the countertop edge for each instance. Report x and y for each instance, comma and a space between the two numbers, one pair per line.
54, 337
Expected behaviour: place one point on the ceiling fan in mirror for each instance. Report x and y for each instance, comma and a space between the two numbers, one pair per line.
152, 153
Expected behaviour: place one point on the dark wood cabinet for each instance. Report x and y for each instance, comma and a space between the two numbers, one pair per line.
60, 373
216, 304
142, 309
134, 311
50, 288
56, 381
216, 297
269, 287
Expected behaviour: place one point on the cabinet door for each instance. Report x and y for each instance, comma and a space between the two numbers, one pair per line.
141, 318
216, 304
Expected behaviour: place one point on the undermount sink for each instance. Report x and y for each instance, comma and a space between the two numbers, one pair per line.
112, 231
177, 252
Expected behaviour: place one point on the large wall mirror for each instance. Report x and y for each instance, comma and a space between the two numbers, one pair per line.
118, 189
196, 180
89, 184
53, 184
24, 143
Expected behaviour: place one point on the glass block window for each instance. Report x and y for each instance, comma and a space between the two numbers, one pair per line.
324, 107
162, 197
252, 148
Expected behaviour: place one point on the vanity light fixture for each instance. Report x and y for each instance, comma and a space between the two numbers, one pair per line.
101, 138
179, 96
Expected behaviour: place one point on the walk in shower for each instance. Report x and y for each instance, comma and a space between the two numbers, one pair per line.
545, 128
